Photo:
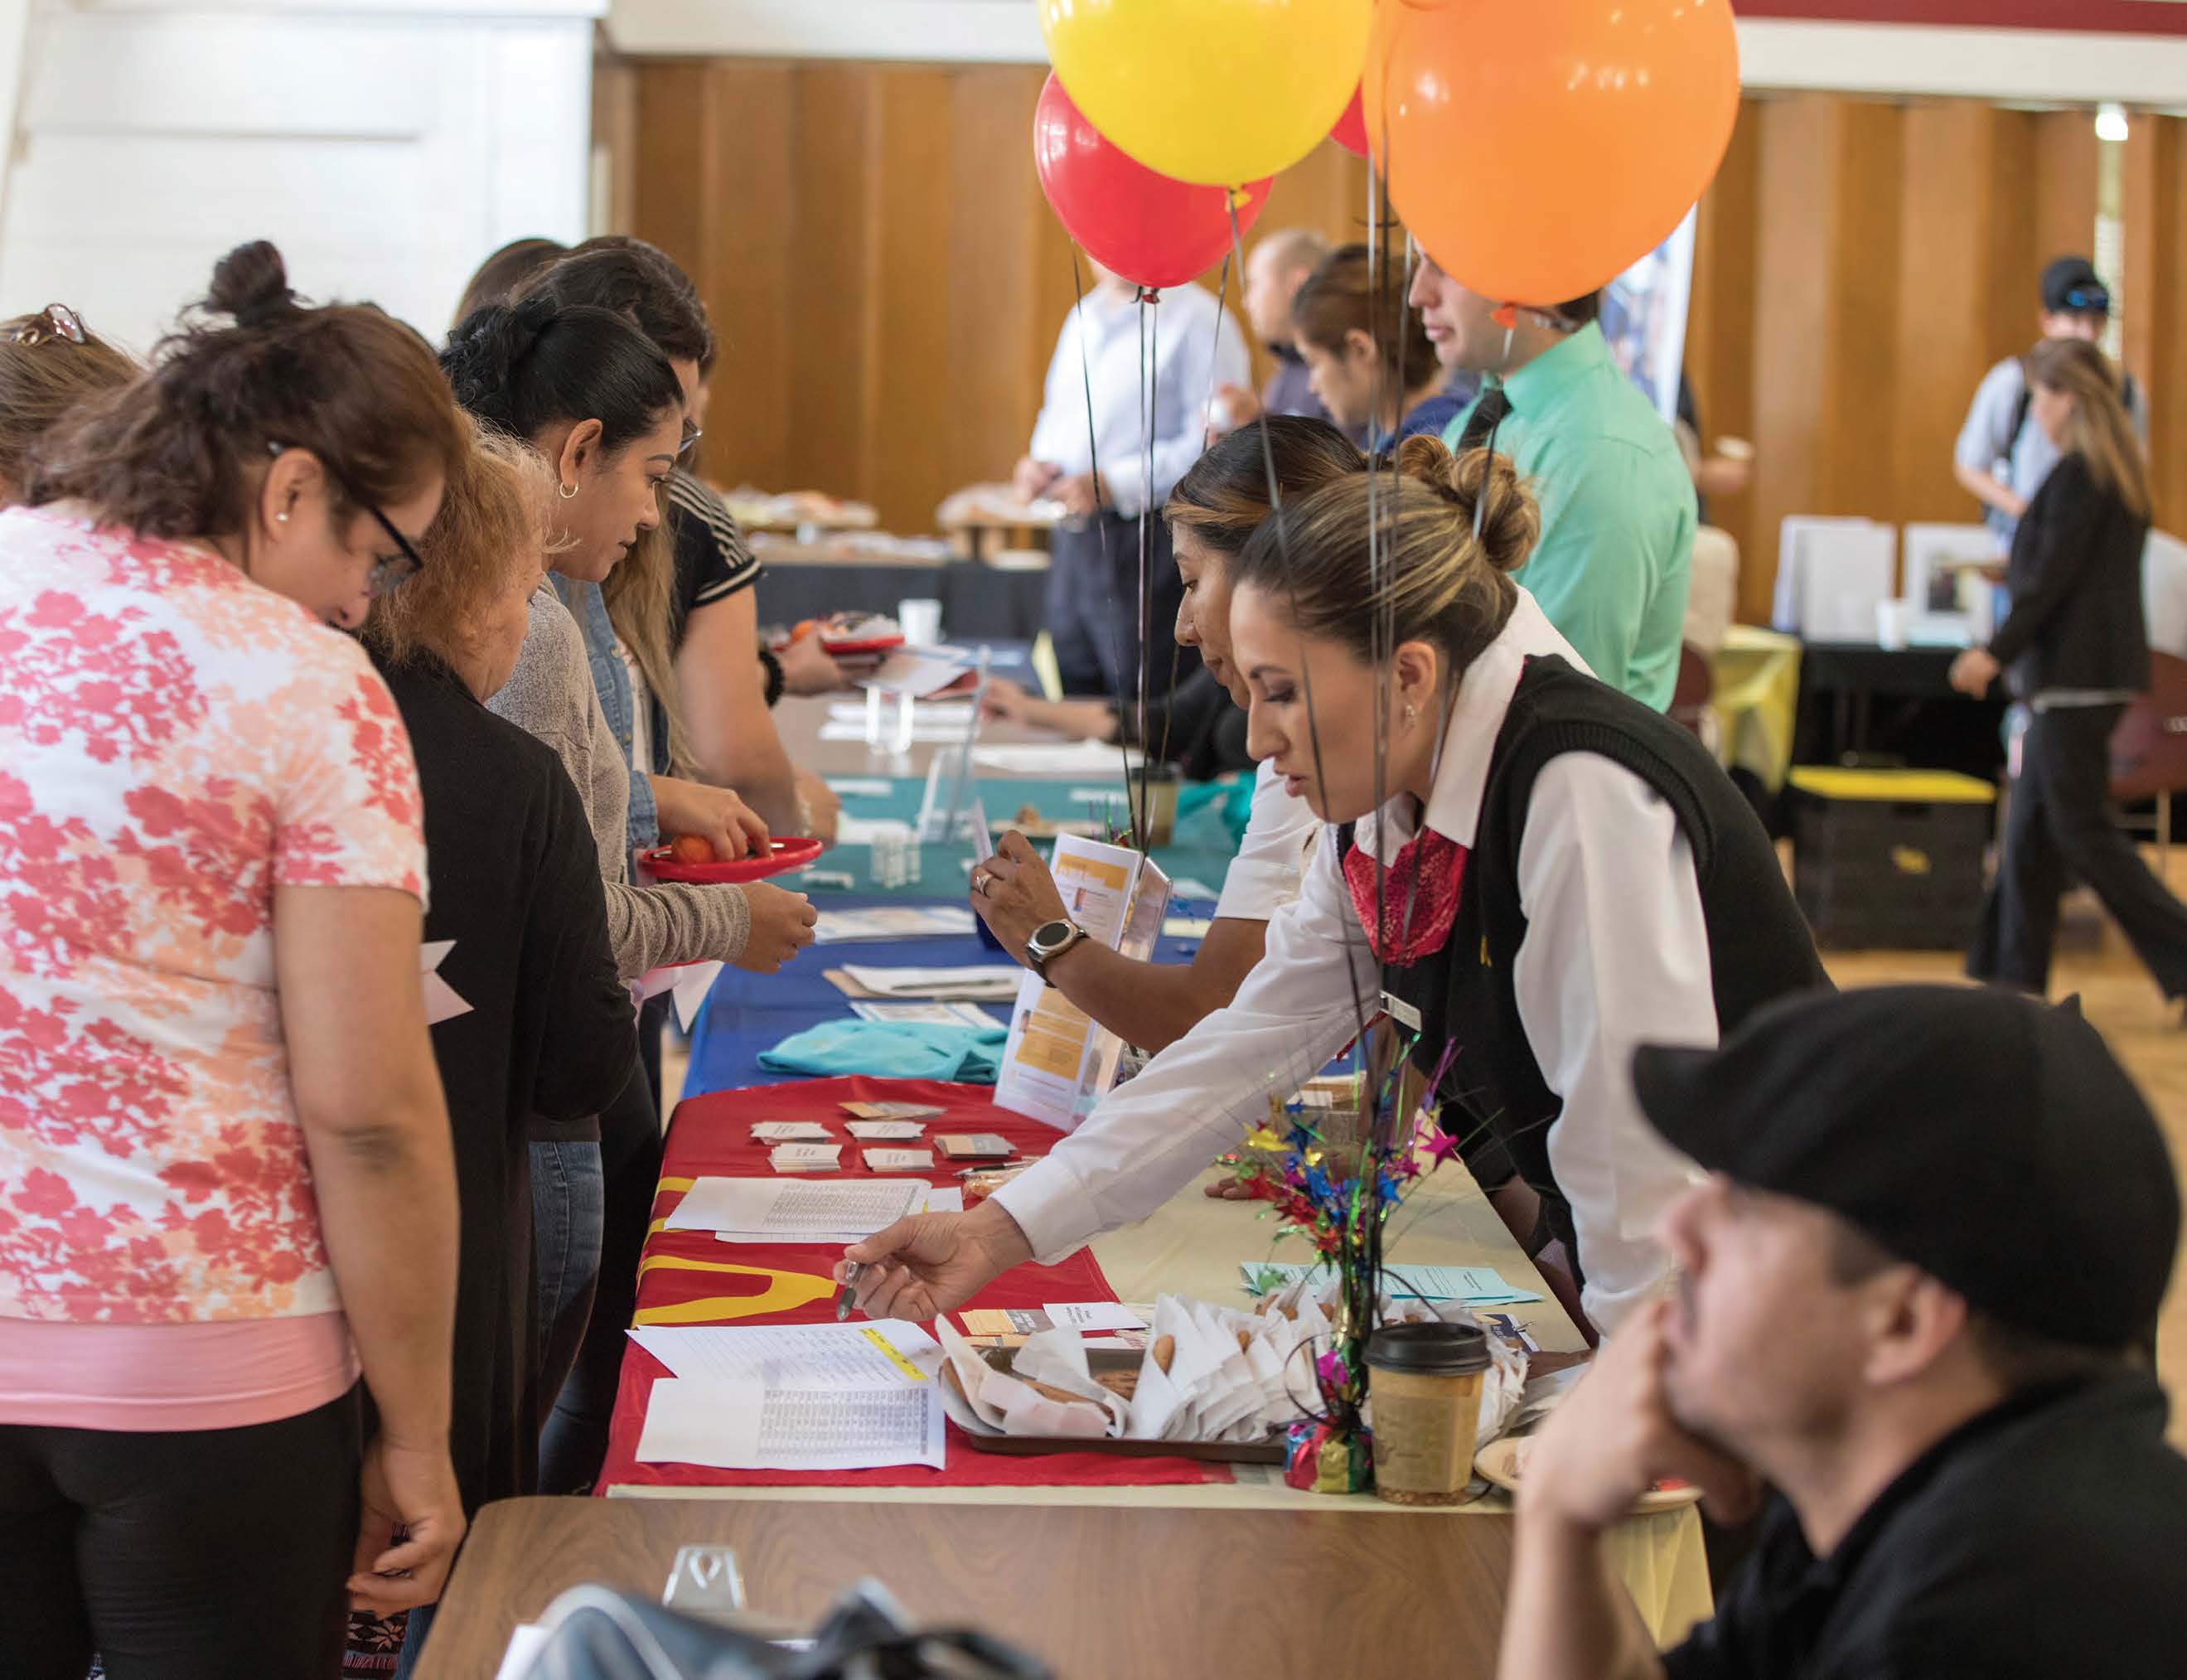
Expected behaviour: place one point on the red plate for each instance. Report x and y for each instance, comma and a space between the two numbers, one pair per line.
786, 854
871, 644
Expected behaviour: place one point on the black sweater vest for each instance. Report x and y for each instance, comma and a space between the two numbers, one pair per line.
1759, 946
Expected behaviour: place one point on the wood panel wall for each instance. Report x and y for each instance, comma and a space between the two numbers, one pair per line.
888, 281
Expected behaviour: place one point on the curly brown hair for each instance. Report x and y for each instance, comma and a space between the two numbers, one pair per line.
180, 452
44, 374
494, 520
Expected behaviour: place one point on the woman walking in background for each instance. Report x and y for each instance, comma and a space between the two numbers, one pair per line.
2075, 649
225, 1174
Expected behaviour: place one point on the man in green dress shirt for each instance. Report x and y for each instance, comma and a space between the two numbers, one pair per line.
1617, 502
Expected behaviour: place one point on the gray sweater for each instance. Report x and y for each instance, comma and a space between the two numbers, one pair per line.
550, 698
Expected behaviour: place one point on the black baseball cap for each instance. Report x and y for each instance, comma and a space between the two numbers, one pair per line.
1988, 1137
2071, 287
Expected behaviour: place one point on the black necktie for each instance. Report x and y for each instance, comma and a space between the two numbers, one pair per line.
1487, 414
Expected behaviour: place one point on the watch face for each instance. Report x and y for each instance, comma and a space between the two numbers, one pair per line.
1049, 934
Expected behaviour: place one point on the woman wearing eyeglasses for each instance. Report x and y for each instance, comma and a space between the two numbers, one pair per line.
48, 366
226, 1185
546, 1028
598, 401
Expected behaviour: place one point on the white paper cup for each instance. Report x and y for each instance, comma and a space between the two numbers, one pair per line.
1893, 620
920, 620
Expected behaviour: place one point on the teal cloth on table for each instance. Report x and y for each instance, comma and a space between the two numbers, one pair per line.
1230, 797
892, 1050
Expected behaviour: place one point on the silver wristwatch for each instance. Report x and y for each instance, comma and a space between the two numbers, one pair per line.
1049, 941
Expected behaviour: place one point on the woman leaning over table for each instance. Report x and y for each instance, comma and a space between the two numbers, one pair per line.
546, 1028
1213, 512
599, 403
50, 365
225, 1174
2075, 649
1567, 874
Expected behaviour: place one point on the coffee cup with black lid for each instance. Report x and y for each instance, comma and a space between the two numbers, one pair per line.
1425, 1381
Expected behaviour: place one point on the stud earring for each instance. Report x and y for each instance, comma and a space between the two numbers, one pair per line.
281, 519
1412, 715
568, 492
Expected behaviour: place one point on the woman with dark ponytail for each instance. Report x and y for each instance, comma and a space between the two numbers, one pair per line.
593, 396
1534, 868
226, 1188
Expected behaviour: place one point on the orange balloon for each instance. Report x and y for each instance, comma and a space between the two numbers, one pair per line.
1538, 148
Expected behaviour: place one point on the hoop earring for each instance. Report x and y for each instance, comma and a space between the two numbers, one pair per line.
568, 492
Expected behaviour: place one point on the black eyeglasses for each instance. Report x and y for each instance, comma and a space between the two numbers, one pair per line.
56, 320
389, 571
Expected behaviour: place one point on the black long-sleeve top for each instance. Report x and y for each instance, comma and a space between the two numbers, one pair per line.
2076, 621
515, 880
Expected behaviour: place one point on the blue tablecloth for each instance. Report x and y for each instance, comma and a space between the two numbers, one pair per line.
745, 1013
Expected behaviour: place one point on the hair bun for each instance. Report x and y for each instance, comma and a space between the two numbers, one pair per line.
1485, 489
485, 348
252, 284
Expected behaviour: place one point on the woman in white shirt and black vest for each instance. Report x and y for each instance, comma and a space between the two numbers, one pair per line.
1564, 875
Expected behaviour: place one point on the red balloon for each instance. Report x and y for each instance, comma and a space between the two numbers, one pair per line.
1351, 130
1150, 229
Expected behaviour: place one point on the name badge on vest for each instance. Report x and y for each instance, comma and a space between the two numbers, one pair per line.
1401, 1012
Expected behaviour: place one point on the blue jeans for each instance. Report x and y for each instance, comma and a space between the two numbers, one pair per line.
568, 1208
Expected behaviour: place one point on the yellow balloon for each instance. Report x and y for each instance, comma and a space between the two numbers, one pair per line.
1217, 92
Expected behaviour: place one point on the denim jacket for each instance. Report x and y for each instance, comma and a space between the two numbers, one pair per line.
587, 606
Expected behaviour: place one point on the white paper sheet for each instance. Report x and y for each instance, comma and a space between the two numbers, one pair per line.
1062, 758
922, 734
948, 1200
744, 1426
1093, 1314
694, 981
893, 921
781, 1355
805, 1157
925, 1012
993, 983
441, 1002
868, 787
778, 1211
790, 1132
865, 830
899, 1161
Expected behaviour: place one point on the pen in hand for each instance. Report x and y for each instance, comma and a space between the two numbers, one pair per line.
843, 1301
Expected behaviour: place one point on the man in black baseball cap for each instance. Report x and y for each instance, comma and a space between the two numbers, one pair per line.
2000, 459
1914, 1295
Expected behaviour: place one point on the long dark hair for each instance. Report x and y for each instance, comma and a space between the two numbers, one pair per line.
175, 452
1342, 296
1223, 497
639, 281
531, 365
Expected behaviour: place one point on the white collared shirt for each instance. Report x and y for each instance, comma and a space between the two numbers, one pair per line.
1192, 357
1616, 954
1270, 867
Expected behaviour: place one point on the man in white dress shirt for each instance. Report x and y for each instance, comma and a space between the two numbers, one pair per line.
1103, 625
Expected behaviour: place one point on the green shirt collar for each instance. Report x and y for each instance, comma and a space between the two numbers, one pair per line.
1536, 386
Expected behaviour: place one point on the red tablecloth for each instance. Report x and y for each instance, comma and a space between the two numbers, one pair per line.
689, 1278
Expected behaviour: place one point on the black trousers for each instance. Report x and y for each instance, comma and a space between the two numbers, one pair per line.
1095, 612
198, 1554
2059, 828
574, 1441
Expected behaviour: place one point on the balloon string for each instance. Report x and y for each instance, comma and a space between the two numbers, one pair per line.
1151, 374
1359, 1010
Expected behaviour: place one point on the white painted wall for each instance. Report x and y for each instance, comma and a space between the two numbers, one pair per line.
2032, 64
385, 145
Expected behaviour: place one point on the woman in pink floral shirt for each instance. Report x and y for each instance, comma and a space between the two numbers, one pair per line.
225, 1182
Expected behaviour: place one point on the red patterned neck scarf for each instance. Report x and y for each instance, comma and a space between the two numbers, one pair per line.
1419, 897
